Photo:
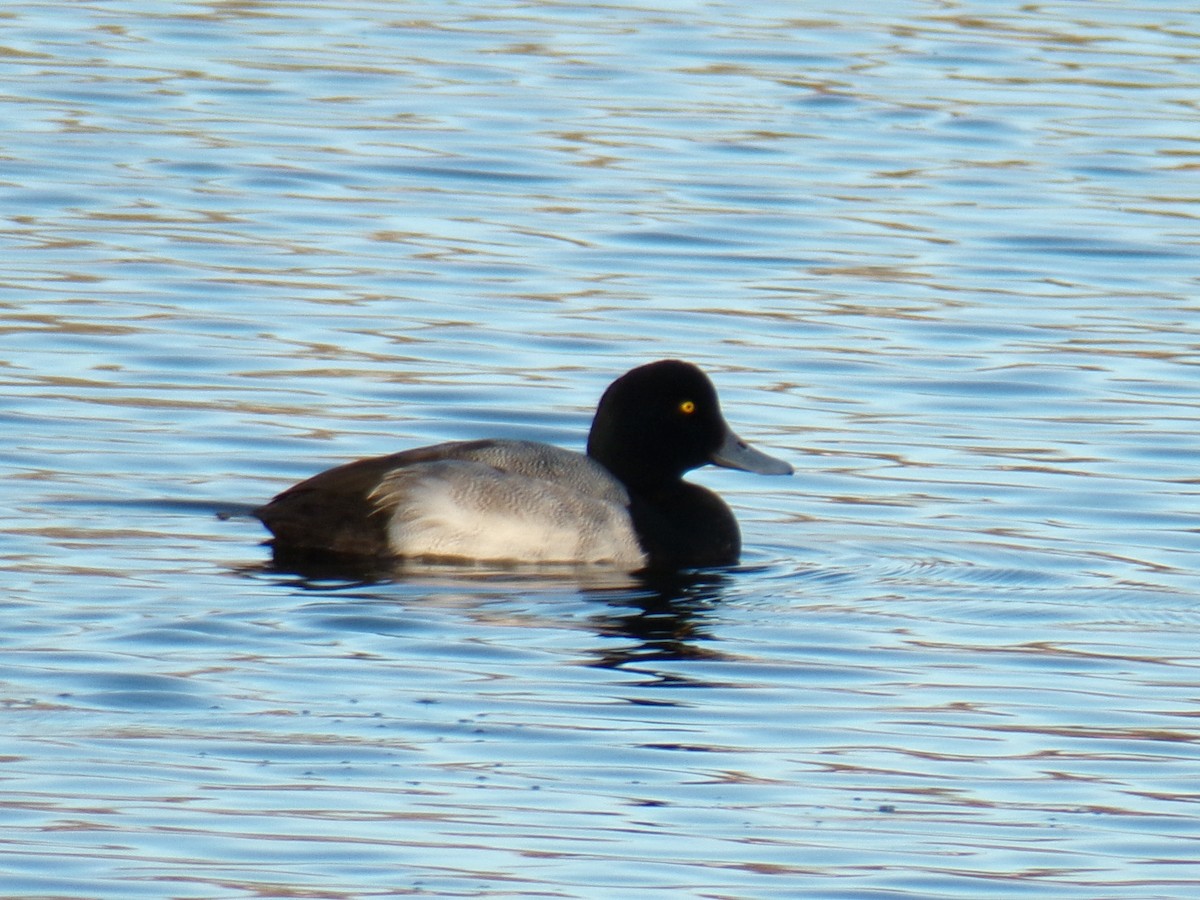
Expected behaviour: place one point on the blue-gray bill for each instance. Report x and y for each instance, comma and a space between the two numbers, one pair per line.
734, 453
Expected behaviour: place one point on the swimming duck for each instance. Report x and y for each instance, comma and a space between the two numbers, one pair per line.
624, 504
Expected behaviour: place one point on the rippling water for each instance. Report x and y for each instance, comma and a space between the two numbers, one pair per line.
940, 257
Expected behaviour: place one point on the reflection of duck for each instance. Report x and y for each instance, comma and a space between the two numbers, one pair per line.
664, 620
625, 503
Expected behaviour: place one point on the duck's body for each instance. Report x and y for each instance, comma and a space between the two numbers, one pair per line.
487, 500
624, 504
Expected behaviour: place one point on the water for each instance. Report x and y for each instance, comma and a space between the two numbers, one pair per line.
941, 258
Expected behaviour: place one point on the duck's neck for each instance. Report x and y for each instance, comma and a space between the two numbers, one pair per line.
639, 473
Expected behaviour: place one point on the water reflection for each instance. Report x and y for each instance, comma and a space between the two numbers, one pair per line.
664, 622
647, 617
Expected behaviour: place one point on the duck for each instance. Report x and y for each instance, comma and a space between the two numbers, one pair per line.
623, 503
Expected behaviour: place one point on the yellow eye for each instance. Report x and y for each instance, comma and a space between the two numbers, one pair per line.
687, 407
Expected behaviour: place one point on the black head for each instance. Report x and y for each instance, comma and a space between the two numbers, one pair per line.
660, 420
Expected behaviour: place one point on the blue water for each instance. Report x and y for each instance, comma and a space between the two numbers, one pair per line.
942, 259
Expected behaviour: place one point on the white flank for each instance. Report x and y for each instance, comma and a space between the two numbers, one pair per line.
456, 508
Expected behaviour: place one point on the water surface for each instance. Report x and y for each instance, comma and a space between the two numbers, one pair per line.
941, 258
